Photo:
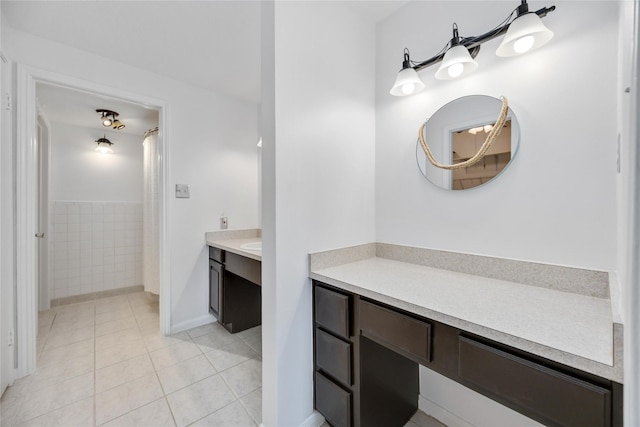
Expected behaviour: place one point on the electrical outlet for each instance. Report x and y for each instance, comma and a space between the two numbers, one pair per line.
224, 223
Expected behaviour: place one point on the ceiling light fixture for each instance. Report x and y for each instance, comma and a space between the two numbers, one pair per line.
104, 145
109, 119
523, 33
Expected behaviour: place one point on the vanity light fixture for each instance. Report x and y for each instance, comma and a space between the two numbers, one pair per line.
109, 118
104, 145
457, 61
523, 33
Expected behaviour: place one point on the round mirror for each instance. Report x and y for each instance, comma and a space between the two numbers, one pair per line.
457, 131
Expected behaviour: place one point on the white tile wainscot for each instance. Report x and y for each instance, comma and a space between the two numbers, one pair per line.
96, 246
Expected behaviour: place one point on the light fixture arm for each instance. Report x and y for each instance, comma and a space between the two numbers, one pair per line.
473, 43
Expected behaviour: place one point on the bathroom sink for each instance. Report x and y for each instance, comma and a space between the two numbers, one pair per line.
252, 246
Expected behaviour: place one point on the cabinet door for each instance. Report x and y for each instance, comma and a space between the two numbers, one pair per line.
216, 271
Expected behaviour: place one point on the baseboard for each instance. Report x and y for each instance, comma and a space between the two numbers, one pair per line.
314, 420
192, 323
74, 299
441, 414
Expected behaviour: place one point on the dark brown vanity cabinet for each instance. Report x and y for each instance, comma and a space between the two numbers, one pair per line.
235, 296
367, 356
333, 356
216, 274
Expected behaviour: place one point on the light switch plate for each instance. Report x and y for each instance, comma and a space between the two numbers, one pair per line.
182, 191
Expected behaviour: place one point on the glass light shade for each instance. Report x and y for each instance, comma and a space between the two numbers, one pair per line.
104, 148
407, 83
457, 62
525, 34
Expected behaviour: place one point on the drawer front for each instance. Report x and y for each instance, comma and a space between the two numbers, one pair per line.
216, 254
333, 311
333, 356
395, 330
544, 394
333, 402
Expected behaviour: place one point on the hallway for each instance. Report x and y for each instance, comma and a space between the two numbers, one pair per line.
104, 362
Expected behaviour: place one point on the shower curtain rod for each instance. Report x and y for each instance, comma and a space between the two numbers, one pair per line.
150, 131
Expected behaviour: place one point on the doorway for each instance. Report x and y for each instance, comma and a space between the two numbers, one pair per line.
27, 206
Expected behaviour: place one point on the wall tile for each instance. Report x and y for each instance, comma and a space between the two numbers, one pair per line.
96, 246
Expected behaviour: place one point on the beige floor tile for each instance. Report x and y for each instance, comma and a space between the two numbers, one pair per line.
60, 354
78, 414
123, 372
154, 414
199, 400
231, 355
115, 326
420, 419
203, 330
42, 400
148, 324
127, 397
9, 408
62, 323
174, 354
115, 338
244, 378
253, 404
110, 316
253, 339
51, 373
232, 415
119, 353
156, 341
185, 373
61, 338
217, 338
143, 310
119, 302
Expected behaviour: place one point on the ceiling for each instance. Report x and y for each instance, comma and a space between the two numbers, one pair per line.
77, 108
208, 43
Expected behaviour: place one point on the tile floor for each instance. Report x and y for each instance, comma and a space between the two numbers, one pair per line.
104, 363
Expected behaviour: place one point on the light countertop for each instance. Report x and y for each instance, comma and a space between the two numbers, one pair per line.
574, 329
232, 241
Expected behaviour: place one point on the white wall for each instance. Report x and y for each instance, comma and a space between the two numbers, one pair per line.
7, 281
212, 147
318, 173
556, 203
78, 172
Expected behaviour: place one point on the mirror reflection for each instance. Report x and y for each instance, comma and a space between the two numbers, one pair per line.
457, 131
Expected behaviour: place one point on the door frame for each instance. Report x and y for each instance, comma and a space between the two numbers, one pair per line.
26, 163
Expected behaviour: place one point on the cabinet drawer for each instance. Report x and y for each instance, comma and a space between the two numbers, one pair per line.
216, 254
333, 402
395, 330
549, 396
333, 356
333, 311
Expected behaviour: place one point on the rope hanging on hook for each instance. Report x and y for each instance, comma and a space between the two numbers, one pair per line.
488, 142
